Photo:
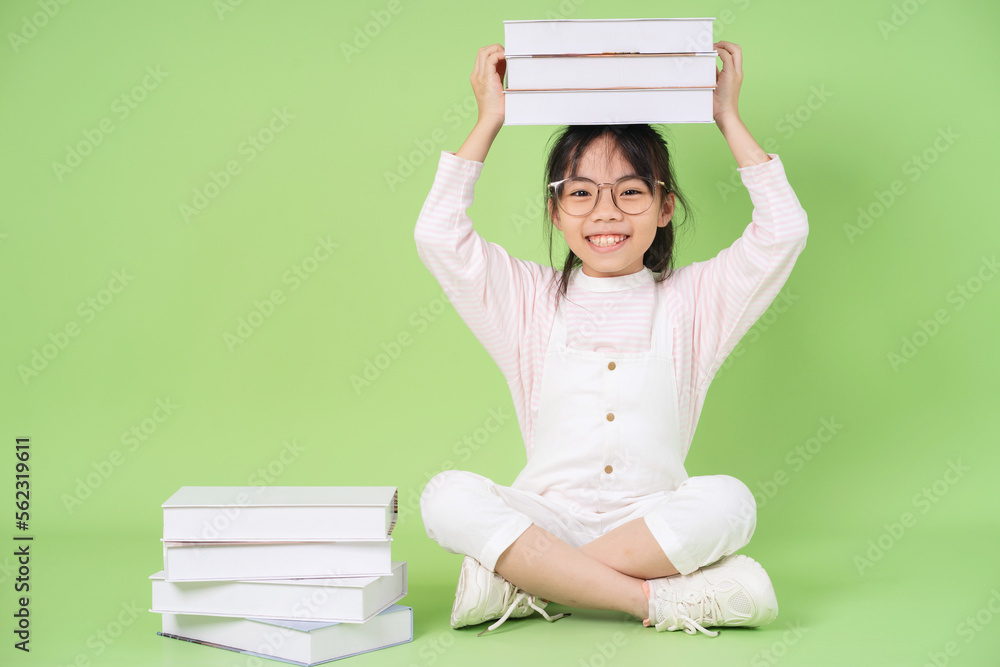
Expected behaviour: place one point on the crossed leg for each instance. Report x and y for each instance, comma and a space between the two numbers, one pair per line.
613, 566
704, 519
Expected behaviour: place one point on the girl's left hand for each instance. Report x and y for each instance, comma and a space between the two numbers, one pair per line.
727, 82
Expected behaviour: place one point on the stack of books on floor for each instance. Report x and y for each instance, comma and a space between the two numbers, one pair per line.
299, 574
609, 71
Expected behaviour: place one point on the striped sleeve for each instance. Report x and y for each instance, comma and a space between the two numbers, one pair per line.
725, 295
492, 292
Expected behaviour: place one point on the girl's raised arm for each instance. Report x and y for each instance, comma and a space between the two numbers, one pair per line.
725, 109
487, 84
494, 293
728, 293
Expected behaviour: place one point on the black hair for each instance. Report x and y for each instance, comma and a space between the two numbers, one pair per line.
645, 149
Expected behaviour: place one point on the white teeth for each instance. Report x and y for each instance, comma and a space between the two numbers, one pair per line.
605, 240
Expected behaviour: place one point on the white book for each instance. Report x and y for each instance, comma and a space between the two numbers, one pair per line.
598, 107
296, 513
611, 71
656, 35
297, 642
231, 561
340, 599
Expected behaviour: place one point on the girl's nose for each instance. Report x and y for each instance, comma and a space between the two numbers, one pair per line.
605, 207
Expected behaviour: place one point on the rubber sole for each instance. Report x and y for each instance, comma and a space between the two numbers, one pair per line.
474, 582
762, 592
465, 575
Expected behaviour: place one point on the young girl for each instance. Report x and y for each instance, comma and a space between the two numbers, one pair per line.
608, 363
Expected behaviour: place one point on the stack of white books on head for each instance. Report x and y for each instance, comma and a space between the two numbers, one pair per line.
300, 574
609, 71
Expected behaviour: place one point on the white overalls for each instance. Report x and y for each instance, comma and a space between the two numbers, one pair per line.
607, 450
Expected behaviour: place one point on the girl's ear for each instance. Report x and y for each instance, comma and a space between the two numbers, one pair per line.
554, 214
667, 211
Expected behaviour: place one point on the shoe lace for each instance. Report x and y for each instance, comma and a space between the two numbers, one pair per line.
691, 610
521, 602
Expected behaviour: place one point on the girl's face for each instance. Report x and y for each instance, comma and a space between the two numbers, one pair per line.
606, 218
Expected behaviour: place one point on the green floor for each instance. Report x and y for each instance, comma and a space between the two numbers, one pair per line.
904, 610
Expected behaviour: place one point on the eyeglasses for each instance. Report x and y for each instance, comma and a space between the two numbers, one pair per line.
578, 196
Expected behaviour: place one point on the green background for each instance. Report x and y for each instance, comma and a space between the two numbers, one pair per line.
846, 102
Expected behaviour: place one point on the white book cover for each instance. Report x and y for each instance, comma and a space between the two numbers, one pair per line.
599, 107
339, 599
271, 513
611, 71
297, 642
654, 35
231, 561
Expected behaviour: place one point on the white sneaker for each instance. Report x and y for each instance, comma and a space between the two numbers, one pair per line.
483, 596
735, 590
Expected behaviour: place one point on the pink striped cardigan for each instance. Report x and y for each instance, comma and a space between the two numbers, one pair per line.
509, 303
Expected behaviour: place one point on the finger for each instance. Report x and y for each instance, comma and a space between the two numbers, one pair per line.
482, 57
738, 60
724, 47
727, 60
496, 62
478, 64
486, 61
733, 54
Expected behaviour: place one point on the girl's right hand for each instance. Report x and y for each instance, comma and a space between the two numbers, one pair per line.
487, 83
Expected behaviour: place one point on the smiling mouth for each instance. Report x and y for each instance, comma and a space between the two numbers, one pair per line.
607, 240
